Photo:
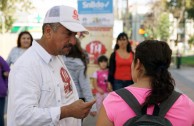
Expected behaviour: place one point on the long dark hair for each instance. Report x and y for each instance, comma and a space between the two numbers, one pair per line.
121, 36
20, 35
77, 52
156, 58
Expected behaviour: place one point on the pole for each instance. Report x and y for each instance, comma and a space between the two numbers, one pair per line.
127, 14
2, 22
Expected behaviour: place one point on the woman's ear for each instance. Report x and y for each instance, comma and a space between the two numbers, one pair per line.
140, 68
138, 64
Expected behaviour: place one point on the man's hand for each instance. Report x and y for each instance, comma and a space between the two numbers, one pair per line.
78, 109
5, 74
100, 90
94, 113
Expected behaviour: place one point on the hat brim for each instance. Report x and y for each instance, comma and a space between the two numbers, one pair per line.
75, 27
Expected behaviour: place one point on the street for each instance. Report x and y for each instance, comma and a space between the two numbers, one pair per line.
184, 79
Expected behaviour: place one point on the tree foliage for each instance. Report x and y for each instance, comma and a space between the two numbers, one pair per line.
191, 40
163, 26
182, 10
180, 7
8, 9
190, 8
157, 21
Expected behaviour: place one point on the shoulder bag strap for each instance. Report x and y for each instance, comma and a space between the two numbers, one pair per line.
130, 99
167, 104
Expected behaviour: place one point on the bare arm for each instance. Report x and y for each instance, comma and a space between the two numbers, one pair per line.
109, 87
102, 119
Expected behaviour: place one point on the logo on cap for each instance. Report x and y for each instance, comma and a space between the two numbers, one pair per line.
75, 15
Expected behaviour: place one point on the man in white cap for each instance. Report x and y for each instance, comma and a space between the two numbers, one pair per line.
41, 90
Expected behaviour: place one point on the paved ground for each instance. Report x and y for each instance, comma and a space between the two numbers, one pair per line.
184, 79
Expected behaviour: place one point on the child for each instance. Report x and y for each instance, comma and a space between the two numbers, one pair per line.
100, 81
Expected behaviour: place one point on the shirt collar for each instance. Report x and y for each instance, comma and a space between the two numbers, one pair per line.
41, 52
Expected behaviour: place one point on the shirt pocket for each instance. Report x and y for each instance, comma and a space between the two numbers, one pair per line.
46, 88
47, 94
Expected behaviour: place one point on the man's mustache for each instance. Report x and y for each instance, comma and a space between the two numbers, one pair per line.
68, 45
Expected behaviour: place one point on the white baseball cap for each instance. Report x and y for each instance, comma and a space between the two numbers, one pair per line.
66, 16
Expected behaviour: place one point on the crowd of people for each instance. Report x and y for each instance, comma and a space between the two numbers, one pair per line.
48, 82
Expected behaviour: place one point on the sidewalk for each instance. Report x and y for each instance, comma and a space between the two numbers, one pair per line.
184, 79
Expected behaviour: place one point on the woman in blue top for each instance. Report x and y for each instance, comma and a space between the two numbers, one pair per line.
76, 63
23, 43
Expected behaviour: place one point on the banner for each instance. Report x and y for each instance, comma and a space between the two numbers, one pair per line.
96, 13
95, 20
98, 42
95, 6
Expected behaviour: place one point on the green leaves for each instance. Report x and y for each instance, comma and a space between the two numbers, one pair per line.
8, 10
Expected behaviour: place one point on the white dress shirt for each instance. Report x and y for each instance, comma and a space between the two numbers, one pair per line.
37, 90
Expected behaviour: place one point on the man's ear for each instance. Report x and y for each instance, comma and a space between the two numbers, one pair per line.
47, 31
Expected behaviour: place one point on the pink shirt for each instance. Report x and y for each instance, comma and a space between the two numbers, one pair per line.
102, 77
180, 114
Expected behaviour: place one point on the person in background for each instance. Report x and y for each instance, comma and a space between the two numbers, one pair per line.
76, 63
100, 81
120, 63
24, 41
4, 72
152, 85
41, 90
87, 58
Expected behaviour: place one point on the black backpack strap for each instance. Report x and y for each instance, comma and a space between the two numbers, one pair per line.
130, 99
167, 104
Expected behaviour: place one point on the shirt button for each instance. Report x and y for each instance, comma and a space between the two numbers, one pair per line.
57, 85
59, 101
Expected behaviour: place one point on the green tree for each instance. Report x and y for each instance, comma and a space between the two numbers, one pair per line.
190, 9
191, 41
179, 7
8, 9
157, 22
163, 27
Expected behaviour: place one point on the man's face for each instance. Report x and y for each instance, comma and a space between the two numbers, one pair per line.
61, 40
66, 49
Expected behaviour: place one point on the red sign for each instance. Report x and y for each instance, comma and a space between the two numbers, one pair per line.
96, 48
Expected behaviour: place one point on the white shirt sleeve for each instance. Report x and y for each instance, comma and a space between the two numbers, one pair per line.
24, 96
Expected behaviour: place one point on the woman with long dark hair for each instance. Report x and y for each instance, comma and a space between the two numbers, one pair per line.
76, 63
153, 84
120, 63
